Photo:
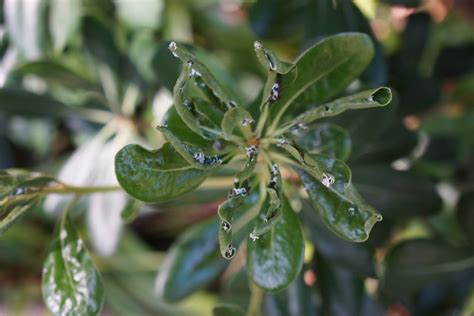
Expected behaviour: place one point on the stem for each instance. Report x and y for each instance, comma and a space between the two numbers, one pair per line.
255, 301
282, 130
261, 122
68, 189
281, 158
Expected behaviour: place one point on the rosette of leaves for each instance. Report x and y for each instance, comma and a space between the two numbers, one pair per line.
274, 147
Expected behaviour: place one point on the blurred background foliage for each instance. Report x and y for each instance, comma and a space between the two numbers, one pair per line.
81, 78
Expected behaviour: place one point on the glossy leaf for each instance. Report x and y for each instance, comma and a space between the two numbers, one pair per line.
226, 212
227, 310
415, 263
296, 300
323, 18
195, 67
192, 262
70, 284
362, 100
228, 208
325, 138
159, 175
355, 257
236, 117
192, 154
377, 134
185, 108
343, 211
176, 126
271, 210
332, 172
276, 258
323, 71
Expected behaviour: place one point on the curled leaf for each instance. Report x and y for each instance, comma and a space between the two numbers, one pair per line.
227, 209
192, 154
271, 61
236, 117
362, 100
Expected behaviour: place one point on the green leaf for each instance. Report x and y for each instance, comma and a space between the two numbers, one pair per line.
198, 98
64, 19
271, 210
178, 128
362, 100
56, 73
195, 68
270, 60
192, 154
323, 71
355, 257
185, 108
19, 102
339, 205
236, 117
377, 134
223, 309
192, 262
152, 176
130, 211
413, 264
70, 283
323, 18
276, 258
296, 300
342, 292
325, 138
397, 194
14, 211
228, 208
20, 191
100, 43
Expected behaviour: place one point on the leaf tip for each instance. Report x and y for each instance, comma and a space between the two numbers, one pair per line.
382, 96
